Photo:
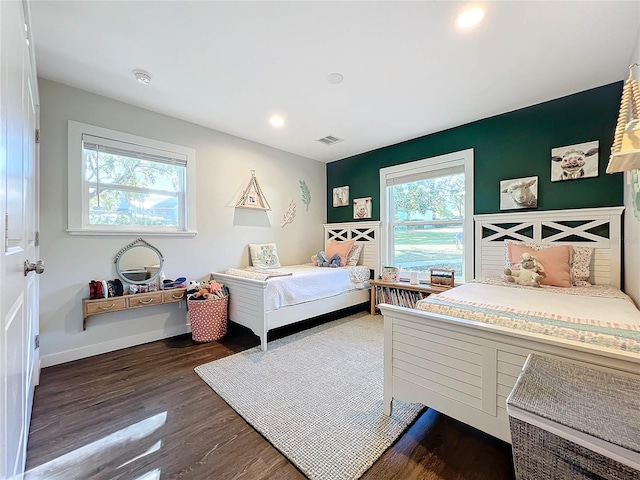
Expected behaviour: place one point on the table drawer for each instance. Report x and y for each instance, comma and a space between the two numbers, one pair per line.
106, 305
174, 295
146, 299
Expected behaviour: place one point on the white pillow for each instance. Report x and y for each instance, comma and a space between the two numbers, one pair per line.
264, 255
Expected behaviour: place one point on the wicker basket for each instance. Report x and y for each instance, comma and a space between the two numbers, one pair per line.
571, 421
208, 319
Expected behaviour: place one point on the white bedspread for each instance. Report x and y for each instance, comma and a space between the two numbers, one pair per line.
308, 282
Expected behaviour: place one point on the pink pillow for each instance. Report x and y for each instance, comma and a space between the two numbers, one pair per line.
555, 260
342, 249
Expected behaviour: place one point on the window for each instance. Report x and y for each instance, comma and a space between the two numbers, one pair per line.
121, 183
427, 215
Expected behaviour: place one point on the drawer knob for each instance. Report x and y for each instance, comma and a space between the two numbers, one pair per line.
107, 308
147, 301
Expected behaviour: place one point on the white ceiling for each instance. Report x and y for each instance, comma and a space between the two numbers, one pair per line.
408, 71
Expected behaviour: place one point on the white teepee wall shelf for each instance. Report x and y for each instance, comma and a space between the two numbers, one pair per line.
252, 197
625, 152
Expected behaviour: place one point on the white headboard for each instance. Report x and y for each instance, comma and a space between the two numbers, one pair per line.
366, 234
599, 228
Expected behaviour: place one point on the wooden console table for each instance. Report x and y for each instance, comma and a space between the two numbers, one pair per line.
396, 289
126, 302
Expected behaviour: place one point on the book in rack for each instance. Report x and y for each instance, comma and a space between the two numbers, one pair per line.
402, 294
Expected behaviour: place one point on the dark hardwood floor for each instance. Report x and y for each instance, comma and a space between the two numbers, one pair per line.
143, 414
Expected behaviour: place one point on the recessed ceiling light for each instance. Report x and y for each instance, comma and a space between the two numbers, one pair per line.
276, 121
470, 17
142, 77
334, 78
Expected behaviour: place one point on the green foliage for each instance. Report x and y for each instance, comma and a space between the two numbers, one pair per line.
126, 219
117, 187
411, 198
432, 236
306, 194
108, 169
424, 248
444, 196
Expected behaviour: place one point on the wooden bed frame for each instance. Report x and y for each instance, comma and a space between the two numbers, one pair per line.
466, 369
247, 297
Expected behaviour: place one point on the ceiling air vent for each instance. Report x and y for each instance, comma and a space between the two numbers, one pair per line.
329, 140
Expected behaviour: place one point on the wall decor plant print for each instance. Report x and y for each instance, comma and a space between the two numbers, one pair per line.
519, 193
362, 208
341, 196
306, 194
290, 214
574, 161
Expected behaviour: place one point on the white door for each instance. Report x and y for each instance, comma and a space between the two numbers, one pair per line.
19, 208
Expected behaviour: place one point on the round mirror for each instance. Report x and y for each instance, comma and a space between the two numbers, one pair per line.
139, 262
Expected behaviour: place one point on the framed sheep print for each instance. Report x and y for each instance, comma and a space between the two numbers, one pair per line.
361, 208
574, 162
341, 196
519, 193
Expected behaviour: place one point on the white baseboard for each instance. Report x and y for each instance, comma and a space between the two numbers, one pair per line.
112, 345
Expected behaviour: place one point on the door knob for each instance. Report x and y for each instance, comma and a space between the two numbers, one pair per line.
38, 267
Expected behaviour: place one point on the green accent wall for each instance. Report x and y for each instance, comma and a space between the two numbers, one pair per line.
512, 145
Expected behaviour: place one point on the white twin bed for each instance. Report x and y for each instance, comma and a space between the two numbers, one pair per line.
262, 305
462, 354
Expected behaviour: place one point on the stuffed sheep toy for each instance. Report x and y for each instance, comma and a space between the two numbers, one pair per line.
529, 273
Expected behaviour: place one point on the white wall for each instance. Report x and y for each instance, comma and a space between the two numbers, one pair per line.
632, 220
224, 165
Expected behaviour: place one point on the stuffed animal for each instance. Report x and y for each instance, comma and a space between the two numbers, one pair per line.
324, 261
529, 273
204, 291
193, 287
208, 290
215, 287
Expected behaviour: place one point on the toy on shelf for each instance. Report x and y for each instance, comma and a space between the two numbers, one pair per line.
442, 277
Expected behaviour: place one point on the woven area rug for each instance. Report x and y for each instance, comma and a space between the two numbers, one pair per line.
317, 396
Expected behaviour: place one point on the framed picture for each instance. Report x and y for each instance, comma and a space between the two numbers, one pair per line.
574, 161
519, 193
362, 208
341, 196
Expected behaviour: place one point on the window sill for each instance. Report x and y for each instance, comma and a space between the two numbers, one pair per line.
129, 233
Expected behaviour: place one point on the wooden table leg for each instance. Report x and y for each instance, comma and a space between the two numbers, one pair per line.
373, 300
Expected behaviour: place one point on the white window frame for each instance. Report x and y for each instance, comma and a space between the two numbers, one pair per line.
405, 173
77, 209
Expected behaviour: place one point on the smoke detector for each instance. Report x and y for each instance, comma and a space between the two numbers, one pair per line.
142, 77
334, 78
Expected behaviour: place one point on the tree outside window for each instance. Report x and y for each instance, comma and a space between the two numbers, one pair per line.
123, 190
427, 225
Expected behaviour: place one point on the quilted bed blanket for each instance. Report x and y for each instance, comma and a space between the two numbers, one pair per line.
599, 314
